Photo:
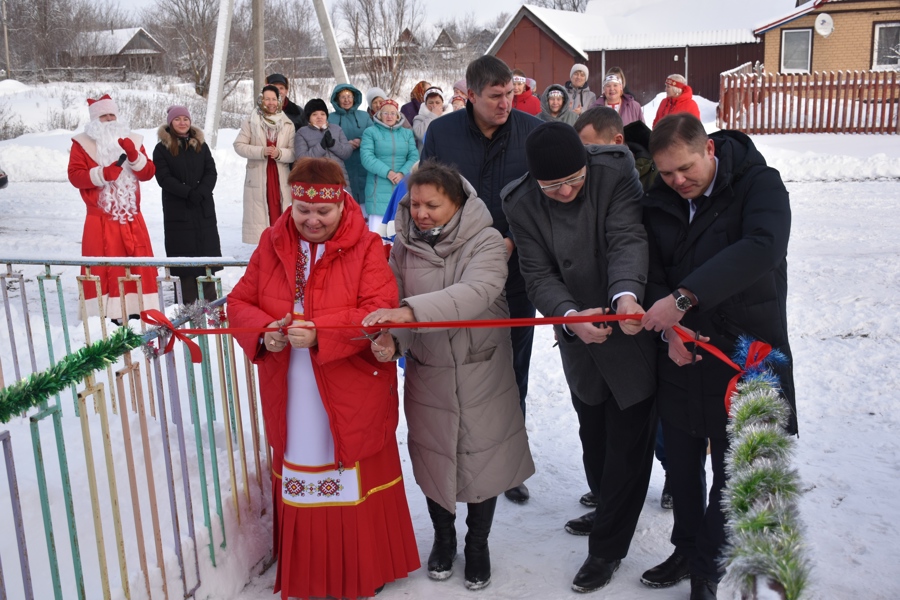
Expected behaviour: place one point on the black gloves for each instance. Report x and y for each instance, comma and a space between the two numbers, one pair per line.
328, 140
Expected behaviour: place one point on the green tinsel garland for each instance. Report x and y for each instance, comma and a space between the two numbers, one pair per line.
31, 391
760, 499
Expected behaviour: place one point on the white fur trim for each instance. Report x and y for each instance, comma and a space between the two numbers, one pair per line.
140, 163
103, 107
97, 176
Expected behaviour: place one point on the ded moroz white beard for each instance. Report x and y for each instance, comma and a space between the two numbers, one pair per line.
118, 198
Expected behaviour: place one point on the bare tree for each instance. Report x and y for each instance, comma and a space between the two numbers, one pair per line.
384, 37
42, 34
572, 5
188, 29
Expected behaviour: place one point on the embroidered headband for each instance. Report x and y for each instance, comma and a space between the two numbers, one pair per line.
519, 79
317, 193
673, 83
555, 93
389, 102
612, 79
434, 91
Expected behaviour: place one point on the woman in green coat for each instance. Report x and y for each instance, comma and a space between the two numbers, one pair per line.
346, 101
388, 152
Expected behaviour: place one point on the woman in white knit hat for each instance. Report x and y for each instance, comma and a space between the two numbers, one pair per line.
580, 95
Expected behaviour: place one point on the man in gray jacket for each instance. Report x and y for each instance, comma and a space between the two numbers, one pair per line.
576, 220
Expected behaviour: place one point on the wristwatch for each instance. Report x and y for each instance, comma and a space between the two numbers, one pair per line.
682, 302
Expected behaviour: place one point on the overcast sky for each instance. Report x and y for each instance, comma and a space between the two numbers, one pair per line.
435, 10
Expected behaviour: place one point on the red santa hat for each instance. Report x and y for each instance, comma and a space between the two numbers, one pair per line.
104, 105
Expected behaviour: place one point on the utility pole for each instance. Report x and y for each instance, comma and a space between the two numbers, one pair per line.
217, 76
258, 39
331, 45
6, 42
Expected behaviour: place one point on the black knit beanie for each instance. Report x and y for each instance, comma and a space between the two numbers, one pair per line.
314, 105
553, 151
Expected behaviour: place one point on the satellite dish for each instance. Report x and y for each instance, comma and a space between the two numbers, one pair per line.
824, 25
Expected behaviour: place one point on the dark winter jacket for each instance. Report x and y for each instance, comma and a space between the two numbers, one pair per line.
581, 254
353, 122
294, 113
581, 97
409, 111
733, 256
527, 102
187, 180
488, 164
637, 138
565, 114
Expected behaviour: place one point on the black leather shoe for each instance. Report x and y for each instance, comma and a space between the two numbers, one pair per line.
378, 590
594, 574
665, 499
703, 589
583, 525
589, 500
518, 494
667, 573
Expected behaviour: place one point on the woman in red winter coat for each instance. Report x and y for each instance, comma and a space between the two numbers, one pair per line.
342, 526
679, 98
523, 96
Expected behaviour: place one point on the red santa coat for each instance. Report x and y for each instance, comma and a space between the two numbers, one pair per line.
527, 102
684, 102
105, 236
351, 280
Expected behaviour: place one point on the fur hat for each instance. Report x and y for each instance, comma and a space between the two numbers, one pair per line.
375, 92
579, 67
314, 105
177, 111
104, 105
553, 150
277, 78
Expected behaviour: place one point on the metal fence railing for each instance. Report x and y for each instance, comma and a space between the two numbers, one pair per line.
128, 483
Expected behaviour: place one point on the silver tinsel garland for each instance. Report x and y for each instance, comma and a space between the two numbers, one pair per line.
765, 537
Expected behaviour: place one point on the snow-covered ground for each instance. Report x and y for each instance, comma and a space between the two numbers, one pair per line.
844, 262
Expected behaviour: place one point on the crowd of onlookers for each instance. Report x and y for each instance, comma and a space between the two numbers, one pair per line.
498, 205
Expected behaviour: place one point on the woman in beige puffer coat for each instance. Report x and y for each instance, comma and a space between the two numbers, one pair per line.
266, 121
467, 438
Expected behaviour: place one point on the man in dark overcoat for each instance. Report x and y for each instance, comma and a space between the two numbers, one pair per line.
576, 220
718, 221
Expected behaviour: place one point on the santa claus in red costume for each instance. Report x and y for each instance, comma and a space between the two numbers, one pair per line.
114, 226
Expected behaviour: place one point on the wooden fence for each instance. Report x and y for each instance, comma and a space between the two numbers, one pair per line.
832, 102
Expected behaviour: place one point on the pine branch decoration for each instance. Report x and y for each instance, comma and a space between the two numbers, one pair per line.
31, 391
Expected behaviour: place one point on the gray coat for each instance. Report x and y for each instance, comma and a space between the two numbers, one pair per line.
579, 255
467, 437
566, 115
307, 143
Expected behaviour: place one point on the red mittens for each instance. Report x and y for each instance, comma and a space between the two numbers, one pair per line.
128, 147
112, 172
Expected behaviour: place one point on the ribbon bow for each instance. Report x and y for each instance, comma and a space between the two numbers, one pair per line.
756, 354
154, 317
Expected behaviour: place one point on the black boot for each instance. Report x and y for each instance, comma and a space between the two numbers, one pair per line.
443, 552
703, 589
478, 557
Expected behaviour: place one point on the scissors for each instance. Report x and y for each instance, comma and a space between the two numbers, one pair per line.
369, 336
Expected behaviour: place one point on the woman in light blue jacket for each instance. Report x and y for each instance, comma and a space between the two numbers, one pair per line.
388, 152
347, 115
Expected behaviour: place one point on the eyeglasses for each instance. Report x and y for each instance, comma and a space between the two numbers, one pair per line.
569, 182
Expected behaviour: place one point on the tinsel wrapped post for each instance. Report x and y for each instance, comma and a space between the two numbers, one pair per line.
765, 556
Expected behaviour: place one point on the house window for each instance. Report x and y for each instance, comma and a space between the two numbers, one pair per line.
886, 46
796, 50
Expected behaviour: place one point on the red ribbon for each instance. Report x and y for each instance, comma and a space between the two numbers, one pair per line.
154, 317
756, 354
